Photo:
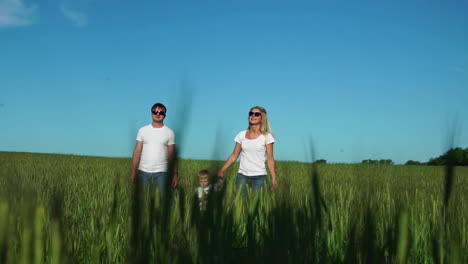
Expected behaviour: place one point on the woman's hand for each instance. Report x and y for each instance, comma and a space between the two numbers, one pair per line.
231, 159
275, 184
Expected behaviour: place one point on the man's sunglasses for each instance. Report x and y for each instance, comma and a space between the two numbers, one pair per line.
257, 114
158, 112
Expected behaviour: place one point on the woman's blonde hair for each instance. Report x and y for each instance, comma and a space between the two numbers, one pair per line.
265, 127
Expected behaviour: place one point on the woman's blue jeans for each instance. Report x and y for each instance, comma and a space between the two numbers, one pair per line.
255, 182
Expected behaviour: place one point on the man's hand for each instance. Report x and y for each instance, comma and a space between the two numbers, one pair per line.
136, 160
175, 180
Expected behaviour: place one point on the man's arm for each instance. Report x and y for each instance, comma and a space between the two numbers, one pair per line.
136, 159
172, 155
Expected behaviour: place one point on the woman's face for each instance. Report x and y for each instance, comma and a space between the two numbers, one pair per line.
255, 116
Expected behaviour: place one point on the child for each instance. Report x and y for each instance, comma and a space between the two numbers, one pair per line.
204, 188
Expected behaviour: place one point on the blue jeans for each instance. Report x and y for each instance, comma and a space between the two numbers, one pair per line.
158, 179
256, 182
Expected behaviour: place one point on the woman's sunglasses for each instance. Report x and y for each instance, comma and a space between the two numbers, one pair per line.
257, 114
158, 113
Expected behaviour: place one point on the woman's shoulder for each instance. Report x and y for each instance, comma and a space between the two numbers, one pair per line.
241, 134
269, 138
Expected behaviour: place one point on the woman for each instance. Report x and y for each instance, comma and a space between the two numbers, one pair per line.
255, 146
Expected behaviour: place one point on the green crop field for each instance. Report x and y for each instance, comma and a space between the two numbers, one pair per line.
79, 209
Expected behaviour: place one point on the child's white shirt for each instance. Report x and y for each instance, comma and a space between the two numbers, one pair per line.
203, 191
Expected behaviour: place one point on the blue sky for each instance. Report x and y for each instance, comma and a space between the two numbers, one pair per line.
351, 80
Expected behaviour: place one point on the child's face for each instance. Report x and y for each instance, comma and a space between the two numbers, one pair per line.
204, 182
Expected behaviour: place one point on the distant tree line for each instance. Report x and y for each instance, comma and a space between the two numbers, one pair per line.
320, 161
414, 162
454, 156
382, 161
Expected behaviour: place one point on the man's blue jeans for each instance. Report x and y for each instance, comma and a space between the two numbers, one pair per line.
255, 182
158, 179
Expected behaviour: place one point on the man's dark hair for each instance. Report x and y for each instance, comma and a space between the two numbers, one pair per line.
156, 105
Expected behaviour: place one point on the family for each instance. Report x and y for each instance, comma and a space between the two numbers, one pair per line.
155, 149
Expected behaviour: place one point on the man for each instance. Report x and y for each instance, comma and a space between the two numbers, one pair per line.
155, 149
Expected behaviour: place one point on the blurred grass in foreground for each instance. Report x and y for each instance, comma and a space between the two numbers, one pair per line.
78, 209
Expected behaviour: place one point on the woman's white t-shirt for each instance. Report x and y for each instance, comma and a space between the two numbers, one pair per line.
253, 154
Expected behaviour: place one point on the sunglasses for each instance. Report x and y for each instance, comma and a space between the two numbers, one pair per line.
158, 113
257, 114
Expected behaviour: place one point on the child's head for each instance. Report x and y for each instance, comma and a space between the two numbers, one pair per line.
204, 178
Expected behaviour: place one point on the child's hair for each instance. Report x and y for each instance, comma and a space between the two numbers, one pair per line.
204, 174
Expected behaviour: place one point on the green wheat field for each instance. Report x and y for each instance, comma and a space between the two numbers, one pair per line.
80, 209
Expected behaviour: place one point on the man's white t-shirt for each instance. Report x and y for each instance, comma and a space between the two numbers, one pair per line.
154, 154
253, 154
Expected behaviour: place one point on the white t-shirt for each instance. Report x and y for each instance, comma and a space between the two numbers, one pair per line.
154, 154
253, 154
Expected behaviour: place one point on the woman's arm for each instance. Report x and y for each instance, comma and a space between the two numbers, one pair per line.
232, 158
271, 164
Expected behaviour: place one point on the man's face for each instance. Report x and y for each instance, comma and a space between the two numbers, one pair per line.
158, 114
